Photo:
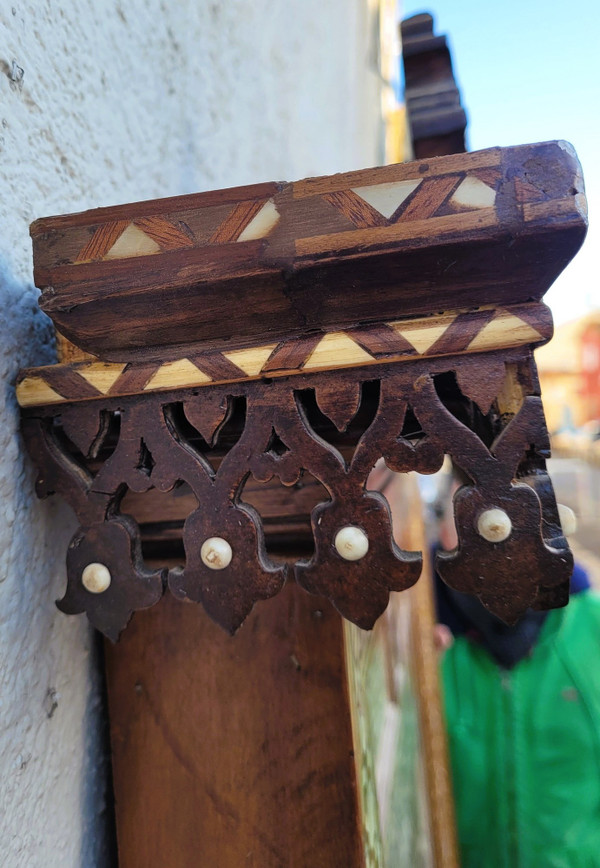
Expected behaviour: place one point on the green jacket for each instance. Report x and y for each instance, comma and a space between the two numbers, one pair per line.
525, 746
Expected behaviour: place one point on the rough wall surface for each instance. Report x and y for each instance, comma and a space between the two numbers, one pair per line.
104, 102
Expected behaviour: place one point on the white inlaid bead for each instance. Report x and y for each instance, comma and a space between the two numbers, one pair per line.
351, 543
568, 519
96, 578
494, 525
216, 553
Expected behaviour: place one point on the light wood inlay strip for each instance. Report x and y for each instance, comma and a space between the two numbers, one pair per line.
176, 375
335, 350
398, 172
506, 331
422, 334
33, 391
555, 208
387, 198
454, 224
473, 193
252, 360
102, 375
452, 333
132, 242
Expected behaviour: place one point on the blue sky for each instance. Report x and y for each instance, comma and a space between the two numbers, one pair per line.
529, 71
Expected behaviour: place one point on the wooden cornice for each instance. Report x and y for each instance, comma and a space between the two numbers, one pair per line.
252, 266
306, 331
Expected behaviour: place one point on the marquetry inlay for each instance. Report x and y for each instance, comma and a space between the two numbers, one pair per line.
471, 331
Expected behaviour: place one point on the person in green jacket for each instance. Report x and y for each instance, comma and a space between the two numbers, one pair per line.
522, 710
525, 745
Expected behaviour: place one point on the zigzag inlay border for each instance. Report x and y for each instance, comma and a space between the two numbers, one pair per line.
418, 198
453, 333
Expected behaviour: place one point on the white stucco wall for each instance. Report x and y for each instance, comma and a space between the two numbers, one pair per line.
104, 102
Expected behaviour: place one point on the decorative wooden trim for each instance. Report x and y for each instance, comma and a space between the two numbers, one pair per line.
93, 451
260, 265
308, 328
457, 332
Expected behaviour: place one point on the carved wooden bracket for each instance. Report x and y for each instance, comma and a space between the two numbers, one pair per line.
312, 328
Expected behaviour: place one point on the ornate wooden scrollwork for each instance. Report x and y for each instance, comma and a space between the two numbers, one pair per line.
362, 369
418, 414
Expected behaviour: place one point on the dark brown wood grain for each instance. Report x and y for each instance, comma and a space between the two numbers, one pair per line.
101, 241
461, 331
381, 340
359, 212
231, 752
333, 427
133, 378
239, 217
430, 195
166, 234
324, 256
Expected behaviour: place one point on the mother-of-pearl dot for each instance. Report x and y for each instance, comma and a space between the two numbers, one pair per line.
568, 519
216, 553
96, 578
494, 525
351, 543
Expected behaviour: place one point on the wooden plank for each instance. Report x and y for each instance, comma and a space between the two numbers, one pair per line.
446, 165
448, 228
235, 269
425, 663
455, 332
233, 751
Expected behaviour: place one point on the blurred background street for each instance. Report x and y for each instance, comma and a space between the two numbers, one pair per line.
577, 484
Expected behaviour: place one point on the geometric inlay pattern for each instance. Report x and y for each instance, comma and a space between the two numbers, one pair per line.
473, 331
410, 426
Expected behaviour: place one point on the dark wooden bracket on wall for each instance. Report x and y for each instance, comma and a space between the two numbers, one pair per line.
435, 115
314, 328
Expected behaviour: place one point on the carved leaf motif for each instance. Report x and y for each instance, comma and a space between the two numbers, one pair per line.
339, 405
157, 447
481, 381
208, 412
116, 545
228, 594
358, 589
504, 575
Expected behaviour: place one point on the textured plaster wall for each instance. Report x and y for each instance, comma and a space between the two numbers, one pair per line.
104, 102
